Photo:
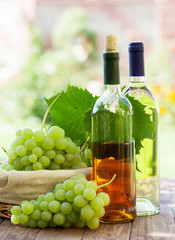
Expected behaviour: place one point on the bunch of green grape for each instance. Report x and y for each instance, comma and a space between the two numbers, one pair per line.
73, 202
38, 150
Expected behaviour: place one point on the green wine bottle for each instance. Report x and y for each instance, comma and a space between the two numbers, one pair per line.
112, 145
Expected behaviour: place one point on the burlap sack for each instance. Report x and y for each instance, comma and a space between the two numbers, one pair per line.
16, 186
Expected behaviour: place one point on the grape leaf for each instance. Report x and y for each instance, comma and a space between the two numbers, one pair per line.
72, 112
143, 127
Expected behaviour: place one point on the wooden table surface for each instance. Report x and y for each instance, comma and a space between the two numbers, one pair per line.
158, 227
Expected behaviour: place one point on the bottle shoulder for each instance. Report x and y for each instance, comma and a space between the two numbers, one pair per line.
143, 94
112, 103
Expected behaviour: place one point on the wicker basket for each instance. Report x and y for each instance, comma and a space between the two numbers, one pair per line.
5, 210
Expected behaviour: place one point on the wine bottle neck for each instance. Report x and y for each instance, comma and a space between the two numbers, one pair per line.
111, 68
112, 89
137, 81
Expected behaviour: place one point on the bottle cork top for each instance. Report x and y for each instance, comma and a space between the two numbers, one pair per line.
111, 43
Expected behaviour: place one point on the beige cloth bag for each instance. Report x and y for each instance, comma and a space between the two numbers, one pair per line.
16, 186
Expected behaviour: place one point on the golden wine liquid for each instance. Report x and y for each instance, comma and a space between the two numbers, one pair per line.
112, 158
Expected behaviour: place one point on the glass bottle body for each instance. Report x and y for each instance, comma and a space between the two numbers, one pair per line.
112, 150
147, 161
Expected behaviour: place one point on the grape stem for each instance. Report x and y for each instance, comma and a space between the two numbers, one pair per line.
85, 144
43, 125
106, 184
4, 150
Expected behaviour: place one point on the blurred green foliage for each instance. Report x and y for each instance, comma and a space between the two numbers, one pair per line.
71, 58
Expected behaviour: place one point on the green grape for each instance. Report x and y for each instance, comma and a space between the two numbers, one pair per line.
29, 168
19, 133
61, 143
14, 219
27, 208
45, 161
69, 157
79, 189
82, 181
30, 144
105, 198
23, 202
76, 159
79, 223
46, 216
81, 175
87, 212
10, 162
23, 218
44, 205
56, 132
66, 165
36, 215
36, 205
80, 201
32, 223
50, 154
17, 164
37, 151
18, 141
59, 159
32, 158
41, 198
54, 166
88, 153
97, 203
91, 184
51, 224
71, 147
25, 160
66, 224
69, 184
41, 223
66, 208
68, 139
9, 168
49, 197
21, 150
58, 186
48, 143
59, 218
27, 133
80, 165
77, 209
70, 195
38, 136
89, 193
37, 166
4, 165
11, 154
54, 206
72, 216
16, 210
60, 194
93, 223
99, 213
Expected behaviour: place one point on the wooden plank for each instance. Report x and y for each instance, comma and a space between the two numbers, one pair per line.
109, 231
58, 233
158, 227
1, 220
165, 195
8, 231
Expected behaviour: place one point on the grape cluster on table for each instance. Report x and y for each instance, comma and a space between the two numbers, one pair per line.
37, 150
73, 202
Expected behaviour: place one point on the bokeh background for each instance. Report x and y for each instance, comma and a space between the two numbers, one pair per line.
46, 44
